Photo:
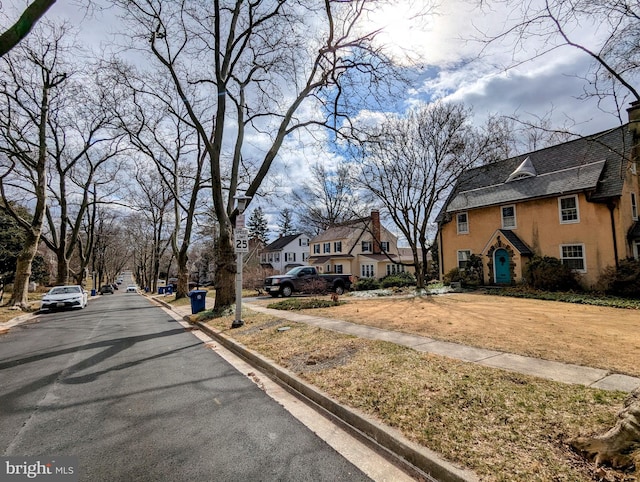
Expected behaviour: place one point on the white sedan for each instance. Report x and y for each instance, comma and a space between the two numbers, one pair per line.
132, 289
70, 296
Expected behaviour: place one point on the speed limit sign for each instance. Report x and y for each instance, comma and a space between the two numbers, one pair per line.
241, 241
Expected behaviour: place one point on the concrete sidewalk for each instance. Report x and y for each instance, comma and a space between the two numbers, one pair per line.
551, 370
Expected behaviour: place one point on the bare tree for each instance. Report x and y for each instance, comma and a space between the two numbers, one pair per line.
327, 198
83, 149
251, 73
156, 123
551, 24
153, 200
410, 165
21, 28
32, 78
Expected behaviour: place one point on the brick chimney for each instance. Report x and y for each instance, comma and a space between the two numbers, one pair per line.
376, 231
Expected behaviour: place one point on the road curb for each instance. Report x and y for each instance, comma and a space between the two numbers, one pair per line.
388, 438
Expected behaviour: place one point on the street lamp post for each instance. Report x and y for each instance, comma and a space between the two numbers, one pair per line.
241, 243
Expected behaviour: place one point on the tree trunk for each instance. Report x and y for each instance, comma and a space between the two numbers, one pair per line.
225, 272
183, 276
62, 270
619, 446
20, 295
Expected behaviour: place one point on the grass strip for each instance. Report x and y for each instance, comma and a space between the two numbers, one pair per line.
502, 425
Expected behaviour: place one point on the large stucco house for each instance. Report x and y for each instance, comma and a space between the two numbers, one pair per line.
576, 201
362, 247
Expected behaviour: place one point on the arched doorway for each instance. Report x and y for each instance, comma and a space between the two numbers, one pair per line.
502, 266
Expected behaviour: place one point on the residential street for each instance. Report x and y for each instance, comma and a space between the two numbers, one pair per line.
125, 388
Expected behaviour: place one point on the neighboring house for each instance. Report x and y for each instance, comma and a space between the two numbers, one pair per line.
576, 201
285, 253
362, 247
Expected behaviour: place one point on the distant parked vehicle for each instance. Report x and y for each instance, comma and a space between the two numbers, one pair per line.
306, 279
132, 289
69, 296
106, 290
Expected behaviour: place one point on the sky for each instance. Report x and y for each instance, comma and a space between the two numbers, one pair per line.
446, 63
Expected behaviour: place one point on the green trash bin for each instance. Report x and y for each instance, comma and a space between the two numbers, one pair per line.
198, 298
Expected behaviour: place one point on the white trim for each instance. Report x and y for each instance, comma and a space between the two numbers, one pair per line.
515, 222
636, 249
458, 256
571, 221
634, 206
583, 258
466, 213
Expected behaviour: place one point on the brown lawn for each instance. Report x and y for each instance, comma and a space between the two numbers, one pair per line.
607, 338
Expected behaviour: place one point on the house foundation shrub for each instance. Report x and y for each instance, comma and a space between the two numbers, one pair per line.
469, 277
549, 274
622, 281
365, 284
398, 280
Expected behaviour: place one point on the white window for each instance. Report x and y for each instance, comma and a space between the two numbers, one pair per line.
569, 210
572, 255
463, 258
634, 207
337, 246
263, 257
366, 271
305, 257
316, 249
463, 223
270, 257
289, 257
338, 268
367, 247
276, 257
303, 242
384, 245
636, 249
328, 269
395, 269
326, 248
508, 217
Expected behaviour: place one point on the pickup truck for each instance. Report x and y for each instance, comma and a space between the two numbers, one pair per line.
306, 279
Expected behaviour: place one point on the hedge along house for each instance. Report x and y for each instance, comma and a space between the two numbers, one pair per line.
576, 201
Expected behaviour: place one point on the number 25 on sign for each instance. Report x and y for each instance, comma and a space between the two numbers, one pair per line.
241, 241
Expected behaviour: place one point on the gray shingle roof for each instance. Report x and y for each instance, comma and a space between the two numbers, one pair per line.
516, 242
593, 163
281, 243
579, 178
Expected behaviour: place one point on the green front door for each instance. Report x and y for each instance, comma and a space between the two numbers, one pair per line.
502, 266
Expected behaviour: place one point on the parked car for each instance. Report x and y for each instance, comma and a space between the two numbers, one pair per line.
306, 279
69, 296
132, 289
106, 290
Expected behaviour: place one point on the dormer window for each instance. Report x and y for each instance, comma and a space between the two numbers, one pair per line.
524, 170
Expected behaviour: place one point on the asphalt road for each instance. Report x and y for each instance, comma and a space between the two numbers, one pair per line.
122, 386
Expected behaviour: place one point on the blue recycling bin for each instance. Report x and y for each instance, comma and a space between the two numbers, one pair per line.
197, 300
168, 290
160, 290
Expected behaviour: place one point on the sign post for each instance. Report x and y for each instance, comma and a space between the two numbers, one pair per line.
241, 246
